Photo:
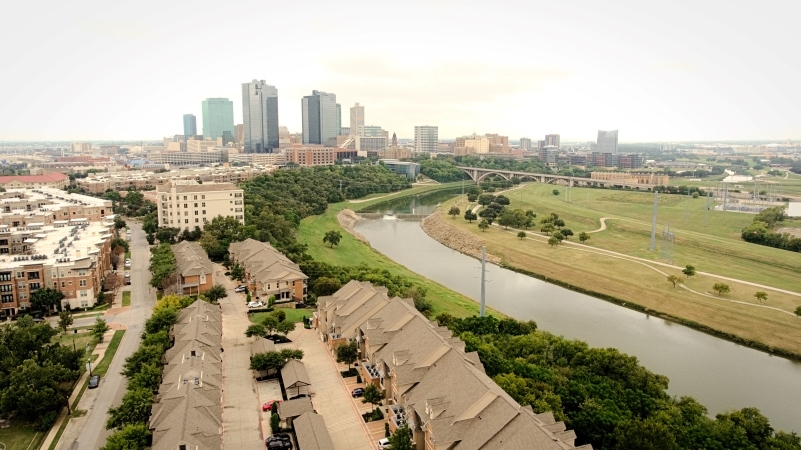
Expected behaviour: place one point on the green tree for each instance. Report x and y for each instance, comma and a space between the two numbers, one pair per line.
401, 439
216, 292
674, 280
521, 235
275, 421
119, 223
161, 320
566, 232
798, 311
761, 297
46, 298
688, 270
483, 225
256, 329
583, 237
555, 192
332, 238
144, 355
548, 228
32, 389
485, 199
131, 437
326, 286
167, 235
285, 328
644, 435
99, 329
470, 216
274, 360
347, 353
558, 235
721, 288
134, 409
372, 395
148, 377
64, 320
454, 211
553, 241
237, 272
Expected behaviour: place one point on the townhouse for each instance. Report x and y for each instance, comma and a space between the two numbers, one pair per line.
268, 272
194, 268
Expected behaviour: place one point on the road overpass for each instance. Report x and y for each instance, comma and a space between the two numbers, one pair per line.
479, 174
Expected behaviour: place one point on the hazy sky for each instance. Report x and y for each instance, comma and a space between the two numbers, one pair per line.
683, 70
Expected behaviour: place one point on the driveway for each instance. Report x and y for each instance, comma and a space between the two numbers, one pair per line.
89, 432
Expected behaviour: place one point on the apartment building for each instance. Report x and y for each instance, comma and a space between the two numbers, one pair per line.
312, 155
432, 384
194, 268
54, 180
268, 272
125, 181
187, 204
211, 156
46, 206
71, 256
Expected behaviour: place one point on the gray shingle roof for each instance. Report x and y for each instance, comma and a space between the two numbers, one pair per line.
294, 408
191, 259
294, 374
312, 433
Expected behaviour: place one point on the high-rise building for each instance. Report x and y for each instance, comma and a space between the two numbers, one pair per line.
525, 144
339, 119
370, 130
239, 136
552, 139
190, 125
426, 138
607, 141
259, 117
356, 118
320, 118
218, 117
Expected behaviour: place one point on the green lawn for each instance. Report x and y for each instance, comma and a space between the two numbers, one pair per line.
292, 315
102, 366
126, 298
81, 339
352, 252
21, 436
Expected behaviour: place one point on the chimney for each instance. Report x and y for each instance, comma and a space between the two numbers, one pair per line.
77, 253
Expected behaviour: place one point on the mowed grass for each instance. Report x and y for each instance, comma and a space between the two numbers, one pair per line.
103, 365
126, 298
292, 314
351, 252
21, 436
639, 282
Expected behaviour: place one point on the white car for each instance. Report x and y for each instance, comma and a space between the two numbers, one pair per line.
127, 231
255, 304
241, 289
128, 264
383, 444
127, 274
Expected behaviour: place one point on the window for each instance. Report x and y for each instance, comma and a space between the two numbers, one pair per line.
184, 197
203, 197
5, 276
34, 286
70, 282
84, 303
196, 199
203, 204
62, 273
186, 205
83, 293
6, 287
196, 212
7, 298
70, 293
186, 213
82, 273
33, 275
186, 220
21, 286
63, 284
82, 283
196, 203
22, 275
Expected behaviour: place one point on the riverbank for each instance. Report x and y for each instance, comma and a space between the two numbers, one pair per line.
630, 283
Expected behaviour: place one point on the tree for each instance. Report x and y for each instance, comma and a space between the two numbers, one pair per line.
274, 360
64, 320
555, 192
332, 238
454, 211
472, 197
566, 232
558, 235
485, 199
347, 353
33, 389
483, 225
161, 320
502, 200
372, 395
583, 237
647, 434
135, 408
131, 437
326, 285
521, 235
798, 311
216, 292
553, 241
99, 329
548, 228
721, 288
470, 216
674, 280
46, 298
688, 270
256, 329
761, 297
167, 235
285, 328
119, 223
401, 439
237, 272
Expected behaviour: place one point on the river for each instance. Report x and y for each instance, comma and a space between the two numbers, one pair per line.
720, 374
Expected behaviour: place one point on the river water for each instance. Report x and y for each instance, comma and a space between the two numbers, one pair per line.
720, 374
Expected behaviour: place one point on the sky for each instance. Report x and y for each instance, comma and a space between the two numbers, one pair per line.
657, 71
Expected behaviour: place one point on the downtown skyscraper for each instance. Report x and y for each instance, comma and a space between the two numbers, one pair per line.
259, 117
607, 141
190, 126
218, 118
322, 117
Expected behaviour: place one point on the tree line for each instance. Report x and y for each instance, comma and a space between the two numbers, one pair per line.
761, 231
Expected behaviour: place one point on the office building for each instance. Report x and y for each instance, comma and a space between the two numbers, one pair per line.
190, 125
186, 204
344, 131
607, 141
552, 140
406, 168
312, 155
426, 138
370, 130
211, 156
525, 144
369, 143
239, 136
321, 115
260, 117
218, 117
356, 118
80, 147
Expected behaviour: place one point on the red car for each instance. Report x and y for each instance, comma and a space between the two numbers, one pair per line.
267, 406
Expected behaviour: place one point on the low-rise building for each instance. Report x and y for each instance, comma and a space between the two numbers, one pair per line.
406, 168
53, 180
312, 155
138, 180
268, 272
632, 178
187, 204
46, 206
210, 156
195, 271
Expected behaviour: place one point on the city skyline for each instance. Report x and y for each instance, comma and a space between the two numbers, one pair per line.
694, 72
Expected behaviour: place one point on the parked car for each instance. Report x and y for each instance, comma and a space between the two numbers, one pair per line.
358, 392
242, 288
269, 405
279, 437
301, 305
255, 305
298, 396
94, 381
383, 444
127, 274
279, 444
128, 231
128, 260
127, 264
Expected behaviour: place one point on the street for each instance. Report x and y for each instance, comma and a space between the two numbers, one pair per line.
89, 432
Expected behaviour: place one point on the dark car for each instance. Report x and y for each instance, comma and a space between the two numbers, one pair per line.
94, 381
298, 396
279, 437
279, 442
301, 305
358, 392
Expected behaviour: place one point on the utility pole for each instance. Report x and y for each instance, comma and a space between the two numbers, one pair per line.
340, 186
483, 277
653, 221
687, 212
706, 220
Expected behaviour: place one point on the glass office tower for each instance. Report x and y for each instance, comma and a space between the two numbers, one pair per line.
321, 118
190, 126
259, 117
218, 117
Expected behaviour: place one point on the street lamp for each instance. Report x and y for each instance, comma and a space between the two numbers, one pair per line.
89, 366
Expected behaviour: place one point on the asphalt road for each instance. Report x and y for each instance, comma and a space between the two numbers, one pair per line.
91, 433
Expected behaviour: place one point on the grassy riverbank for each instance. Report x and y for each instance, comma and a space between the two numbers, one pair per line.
715, 249
353, 252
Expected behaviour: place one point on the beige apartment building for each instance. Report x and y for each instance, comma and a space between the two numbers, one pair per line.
268, 272
48, 206
187, 204
125, 181
312, 155
632, 178
54, 180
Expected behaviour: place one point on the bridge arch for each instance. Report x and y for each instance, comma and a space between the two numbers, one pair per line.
487, 174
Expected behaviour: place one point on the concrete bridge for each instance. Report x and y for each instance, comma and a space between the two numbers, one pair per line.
479, 174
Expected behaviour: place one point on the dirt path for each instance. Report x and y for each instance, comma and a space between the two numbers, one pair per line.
603, 224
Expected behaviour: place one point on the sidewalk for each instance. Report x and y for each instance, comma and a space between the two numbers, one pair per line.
100, 350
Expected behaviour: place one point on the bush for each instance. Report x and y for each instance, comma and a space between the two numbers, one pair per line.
48, 419
377, 414
275, 422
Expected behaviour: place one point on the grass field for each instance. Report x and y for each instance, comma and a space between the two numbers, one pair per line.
351, 252
21, 436
103, 365
716, 249
292, 315
126, 298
